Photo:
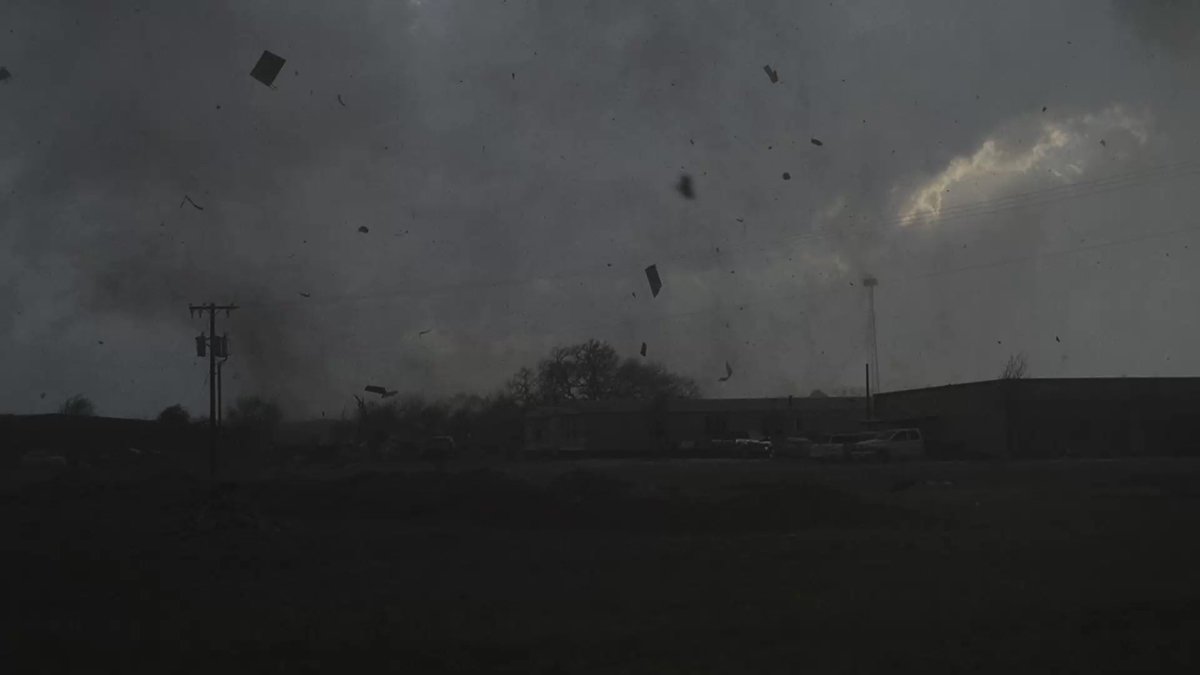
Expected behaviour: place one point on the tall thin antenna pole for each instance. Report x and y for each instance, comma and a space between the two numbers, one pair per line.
871, 283
870, 406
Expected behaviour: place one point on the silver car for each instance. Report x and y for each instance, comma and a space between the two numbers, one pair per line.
889, 445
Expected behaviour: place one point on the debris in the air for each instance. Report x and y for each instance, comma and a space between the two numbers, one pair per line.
787, 176
1103, 143
341, 101
685, 187
4, 74
427, 330
364, 229
643, 349
99, 342
305, 295
771, 73
728, 373
816, 141
1043, 108
379, 390
188, 200
43, 394
267, 68
692, 141
740, 220
1056, 339
652, 277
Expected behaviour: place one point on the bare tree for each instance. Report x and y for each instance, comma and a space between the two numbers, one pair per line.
522, 387
78, 405
592, 371
1015, 368
175, 416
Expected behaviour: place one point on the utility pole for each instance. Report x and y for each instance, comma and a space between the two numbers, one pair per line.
214, 346
221, 379
870, 283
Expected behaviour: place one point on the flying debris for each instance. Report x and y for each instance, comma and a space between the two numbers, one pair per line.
364, 229
267, 68
655, 282
728, 373
188, 200
771, 73
305, 295
787, 176
427, 330
4, 74
1103, 143
816, 141
341, 101
685, 187
1056, 339
383, 392
643, 349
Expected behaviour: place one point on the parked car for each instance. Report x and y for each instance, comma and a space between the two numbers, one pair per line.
889, 445
751, 448
835, 447
792, 447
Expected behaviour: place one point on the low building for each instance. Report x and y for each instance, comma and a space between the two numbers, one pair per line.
83, 439
655, 427
1044, 418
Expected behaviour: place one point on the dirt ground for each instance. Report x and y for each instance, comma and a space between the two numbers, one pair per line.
610, 567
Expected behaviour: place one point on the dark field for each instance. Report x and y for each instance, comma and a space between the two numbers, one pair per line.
687, 567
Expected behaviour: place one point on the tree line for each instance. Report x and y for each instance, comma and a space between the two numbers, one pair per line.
587, 371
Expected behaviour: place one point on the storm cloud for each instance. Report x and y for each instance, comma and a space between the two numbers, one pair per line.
516, 166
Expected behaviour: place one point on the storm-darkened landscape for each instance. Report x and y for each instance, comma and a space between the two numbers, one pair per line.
460, 336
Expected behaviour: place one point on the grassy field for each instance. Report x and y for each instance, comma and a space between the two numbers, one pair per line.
613, 567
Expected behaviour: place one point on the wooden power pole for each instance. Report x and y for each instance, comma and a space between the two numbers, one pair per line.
214, 346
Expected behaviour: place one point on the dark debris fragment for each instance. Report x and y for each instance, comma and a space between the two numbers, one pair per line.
653, 278
787, 176
188, 200
364, 229
728, 373
685, 187
816, 141
771, 73
643, 349
267, 68
4, 74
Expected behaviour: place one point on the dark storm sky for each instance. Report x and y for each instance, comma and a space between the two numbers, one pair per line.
515, 163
